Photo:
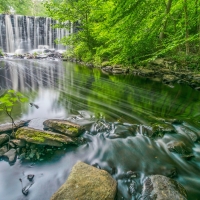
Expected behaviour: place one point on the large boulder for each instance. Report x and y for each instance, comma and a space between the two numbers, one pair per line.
162, 188
43, 137
9, 127
3, 138
87, 182
64, 126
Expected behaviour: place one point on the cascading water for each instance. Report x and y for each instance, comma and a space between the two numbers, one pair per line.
24, 32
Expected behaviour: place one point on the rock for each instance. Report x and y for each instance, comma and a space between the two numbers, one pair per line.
161, 129
181, 148
87, 182
162, 188
43, 137
3, 150
192, 134
22, 156
122, 131
146, 72
8, 127
65, 127
11, 155
30, 177
169, 78
3, 138
19, 143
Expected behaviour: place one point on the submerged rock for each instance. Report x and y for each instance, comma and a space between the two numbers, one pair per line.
194, 136
157, 187
64, 126
3, 138
9, 127
43, 137
87, 182
181, 148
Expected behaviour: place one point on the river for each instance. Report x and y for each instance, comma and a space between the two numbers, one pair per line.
64, 90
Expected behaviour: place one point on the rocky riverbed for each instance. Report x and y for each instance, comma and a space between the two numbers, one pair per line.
34, 145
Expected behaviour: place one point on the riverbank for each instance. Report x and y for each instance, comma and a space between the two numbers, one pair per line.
162, 70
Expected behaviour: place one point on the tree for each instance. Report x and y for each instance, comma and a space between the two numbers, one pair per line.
7, 102
131, 31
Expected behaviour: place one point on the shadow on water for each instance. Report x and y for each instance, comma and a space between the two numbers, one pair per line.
65, 90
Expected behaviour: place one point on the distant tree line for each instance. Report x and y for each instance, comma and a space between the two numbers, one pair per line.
22, 7
130, 31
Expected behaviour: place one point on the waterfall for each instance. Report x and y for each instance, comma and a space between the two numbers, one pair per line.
27, 33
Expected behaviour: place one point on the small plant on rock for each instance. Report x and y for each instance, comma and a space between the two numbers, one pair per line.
7, 102
1, 52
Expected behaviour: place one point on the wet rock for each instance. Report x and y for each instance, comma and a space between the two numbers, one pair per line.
22, 156
157, 187
133, 187
190, 133
65, 127
181, 148
18, 143
3, 150
30, 177
11, 155
87, 182
3, 138
122, 131
43, 137
8, 127
162, 128
169, 78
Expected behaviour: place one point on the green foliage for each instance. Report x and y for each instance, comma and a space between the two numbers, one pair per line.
22, 7
8, 100
128, 32
1, 52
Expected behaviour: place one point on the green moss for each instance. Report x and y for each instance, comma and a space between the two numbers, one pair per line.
73, 129
38, 136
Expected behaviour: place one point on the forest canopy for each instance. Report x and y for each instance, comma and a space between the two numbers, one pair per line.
22, 7
130, 31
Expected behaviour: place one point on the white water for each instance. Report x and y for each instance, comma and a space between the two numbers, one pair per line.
24, 32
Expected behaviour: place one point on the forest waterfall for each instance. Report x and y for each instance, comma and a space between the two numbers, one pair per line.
25, 32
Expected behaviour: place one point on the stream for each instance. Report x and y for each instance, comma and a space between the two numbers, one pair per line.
64, 90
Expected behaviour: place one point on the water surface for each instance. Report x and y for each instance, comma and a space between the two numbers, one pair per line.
68, 91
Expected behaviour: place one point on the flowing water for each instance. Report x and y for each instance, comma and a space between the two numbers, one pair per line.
26, 33
68, 91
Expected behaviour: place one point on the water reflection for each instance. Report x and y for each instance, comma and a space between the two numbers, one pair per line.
62, 90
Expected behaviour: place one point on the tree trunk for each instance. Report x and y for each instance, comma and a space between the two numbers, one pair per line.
168, 7
187, 49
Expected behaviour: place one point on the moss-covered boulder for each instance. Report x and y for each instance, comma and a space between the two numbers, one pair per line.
162, 188
43, 137
87, 182
64, 126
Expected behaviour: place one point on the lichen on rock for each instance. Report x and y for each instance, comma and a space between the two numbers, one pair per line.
64, 126
43, 137
87, 182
